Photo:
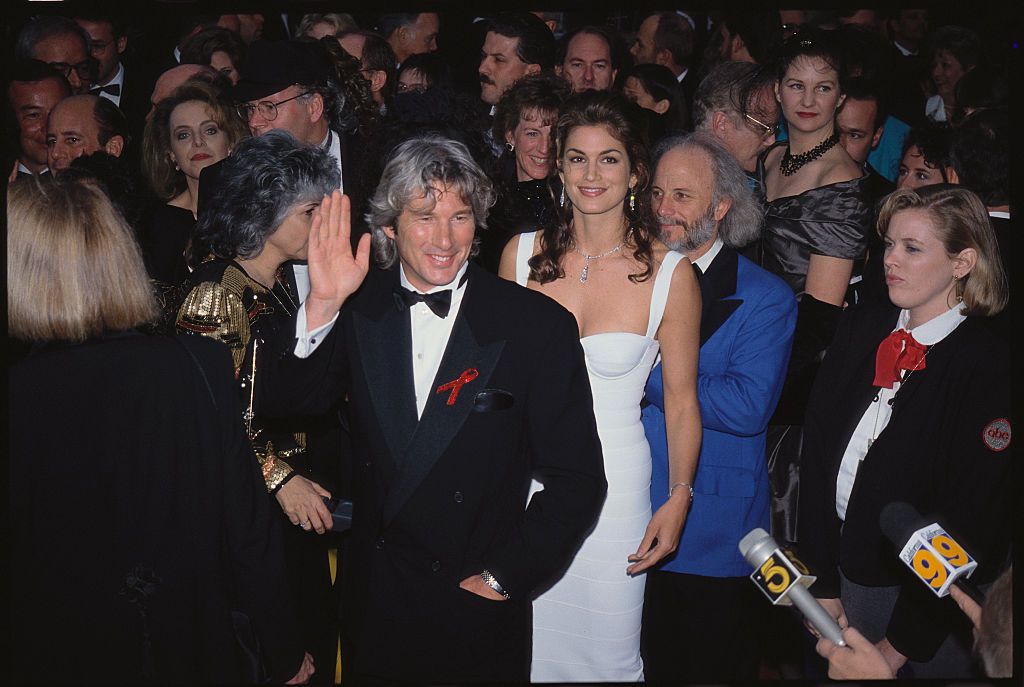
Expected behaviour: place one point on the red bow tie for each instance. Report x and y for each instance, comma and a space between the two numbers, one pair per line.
897, 352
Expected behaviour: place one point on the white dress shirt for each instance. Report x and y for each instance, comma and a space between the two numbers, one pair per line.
119, 80
430, 335
704, 261
876, 417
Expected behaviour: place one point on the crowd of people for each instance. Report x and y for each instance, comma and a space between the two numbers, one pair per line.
564, 305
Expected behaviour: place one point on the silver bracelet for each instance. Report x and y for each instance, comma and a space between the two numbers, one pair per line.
493, 583
680, 484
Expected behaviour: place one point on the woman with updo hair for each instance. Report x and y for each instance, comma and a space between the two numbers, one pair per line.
912, 404
633, 299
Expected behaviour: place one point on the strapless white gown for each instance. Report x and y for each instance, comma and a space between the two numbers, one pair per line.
586, 628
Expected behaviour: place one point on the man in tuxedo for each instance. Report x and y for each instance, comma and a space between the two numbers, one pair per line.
700, 611
62, 44
668, 39
461, 386
82, 125
411, 33
34, 90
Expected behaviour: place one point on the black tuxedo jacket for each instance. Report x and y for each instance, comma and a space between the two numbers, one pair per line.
933, 454
444, 497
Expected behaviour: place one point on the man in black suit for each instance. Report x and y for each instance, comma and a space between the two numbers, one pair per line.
668, 39
461, 385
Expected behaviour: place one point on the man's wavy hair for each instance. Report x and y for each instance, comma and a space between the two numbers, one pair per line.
616, 114
420, 167
258, 185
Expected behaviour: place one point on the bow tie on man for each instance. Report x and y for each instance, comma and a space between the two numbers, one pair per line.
110, 89
440, 302
899, 351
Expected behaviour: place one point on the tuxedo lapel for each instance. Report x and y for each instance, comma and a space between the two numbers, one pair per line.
715, 285
384, 336
446, 412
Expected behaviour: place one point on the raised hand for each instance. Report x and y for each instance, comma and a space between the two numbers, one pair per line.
334, 271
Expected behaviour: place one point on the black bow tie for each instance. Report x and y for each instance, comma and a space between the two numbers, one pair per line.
440, 302
112, 89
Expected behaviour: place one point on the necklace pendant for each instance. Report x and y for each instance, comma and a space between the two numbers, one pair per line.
583, 274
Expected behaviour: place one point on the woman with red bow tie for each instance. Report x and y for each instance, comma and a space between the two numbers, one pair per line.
912, 404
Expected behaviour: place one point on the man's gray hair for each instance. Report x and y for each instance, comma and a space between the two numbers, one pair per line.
43, 27
420, 167
741, 226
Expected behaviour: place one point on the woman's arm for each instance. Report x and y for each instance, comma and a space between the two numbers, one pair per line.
679, 336
828, 278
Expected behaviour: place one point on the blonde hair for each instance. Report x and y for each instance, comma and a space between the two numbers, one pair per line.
960, 221
74, 269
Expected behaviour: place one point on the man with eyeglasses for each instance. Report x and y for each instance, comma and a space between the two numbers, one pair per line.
735, 103
62, 44
377, 62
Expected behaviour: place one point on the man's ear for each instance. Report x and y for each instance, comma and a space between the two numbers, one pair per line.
952, 177
122, 44
315, 107
877, 137
558, 70
719, 120
114, 146
722, 208
389, 232
661, 107
532, 69
663, 57
378, 80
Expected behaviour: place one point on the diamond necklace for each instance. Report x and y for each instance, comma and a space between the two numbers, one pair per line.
588, 258
791, 163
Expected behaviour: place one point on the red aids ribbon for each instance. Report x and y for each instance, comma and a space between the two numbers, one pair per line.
456, 384
898, 351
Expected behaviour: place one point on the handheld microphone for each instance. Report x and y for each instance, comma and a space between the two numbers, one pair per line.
928, 550
784, 580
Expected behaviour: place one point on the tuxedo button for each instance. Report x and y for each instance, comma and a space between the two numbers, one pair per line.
435, 566
458, 497
380, 543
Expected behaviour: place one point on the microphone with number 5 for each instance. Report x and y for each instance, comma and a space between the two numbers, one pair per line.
928, 550
784, 580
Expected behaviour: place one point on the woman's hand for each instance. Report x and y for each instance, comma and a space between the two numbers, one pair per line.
663, 532
305, 671
334, 272
300, 500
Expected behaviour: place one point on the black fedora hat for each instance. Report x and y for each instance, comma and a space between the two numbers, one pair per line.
272, 66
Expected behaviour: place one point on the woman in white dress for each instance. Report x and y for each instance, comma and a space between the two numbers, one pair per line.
631, 298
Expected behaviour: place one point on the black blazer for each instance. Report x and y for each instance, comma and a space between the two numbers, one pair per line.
444, 497
122, 466
933, 454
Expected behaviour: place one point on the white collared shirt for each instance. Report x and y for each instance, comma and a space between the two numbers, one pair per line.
119, 80
682, 75
999, 214
704, 261
876, 417
430, 335
907, 52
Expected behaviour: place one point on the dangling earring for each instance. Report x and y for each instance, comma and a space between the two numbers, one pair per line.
632, 200
959, 288
561, 199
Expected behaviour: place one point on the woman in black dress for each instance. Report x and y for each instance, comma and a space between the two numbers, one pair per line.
816, 223
140, 526
190, 130
527, 186
261, 206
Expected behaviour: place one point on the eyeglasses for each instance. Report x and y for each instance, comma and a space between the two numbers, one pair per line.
766, 131
411, 87
83, 68
267, 109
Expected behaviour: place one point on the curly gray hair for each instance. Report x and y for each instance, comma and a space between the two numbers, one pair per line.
419, 167
258, 185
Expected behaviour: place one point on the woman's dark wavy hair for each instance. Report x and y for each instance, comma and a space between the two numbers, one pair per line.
615, 113
258, 185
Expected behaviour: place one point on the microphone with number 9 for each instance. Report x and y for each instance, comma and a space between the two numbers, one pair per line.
928, 550
783, 579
